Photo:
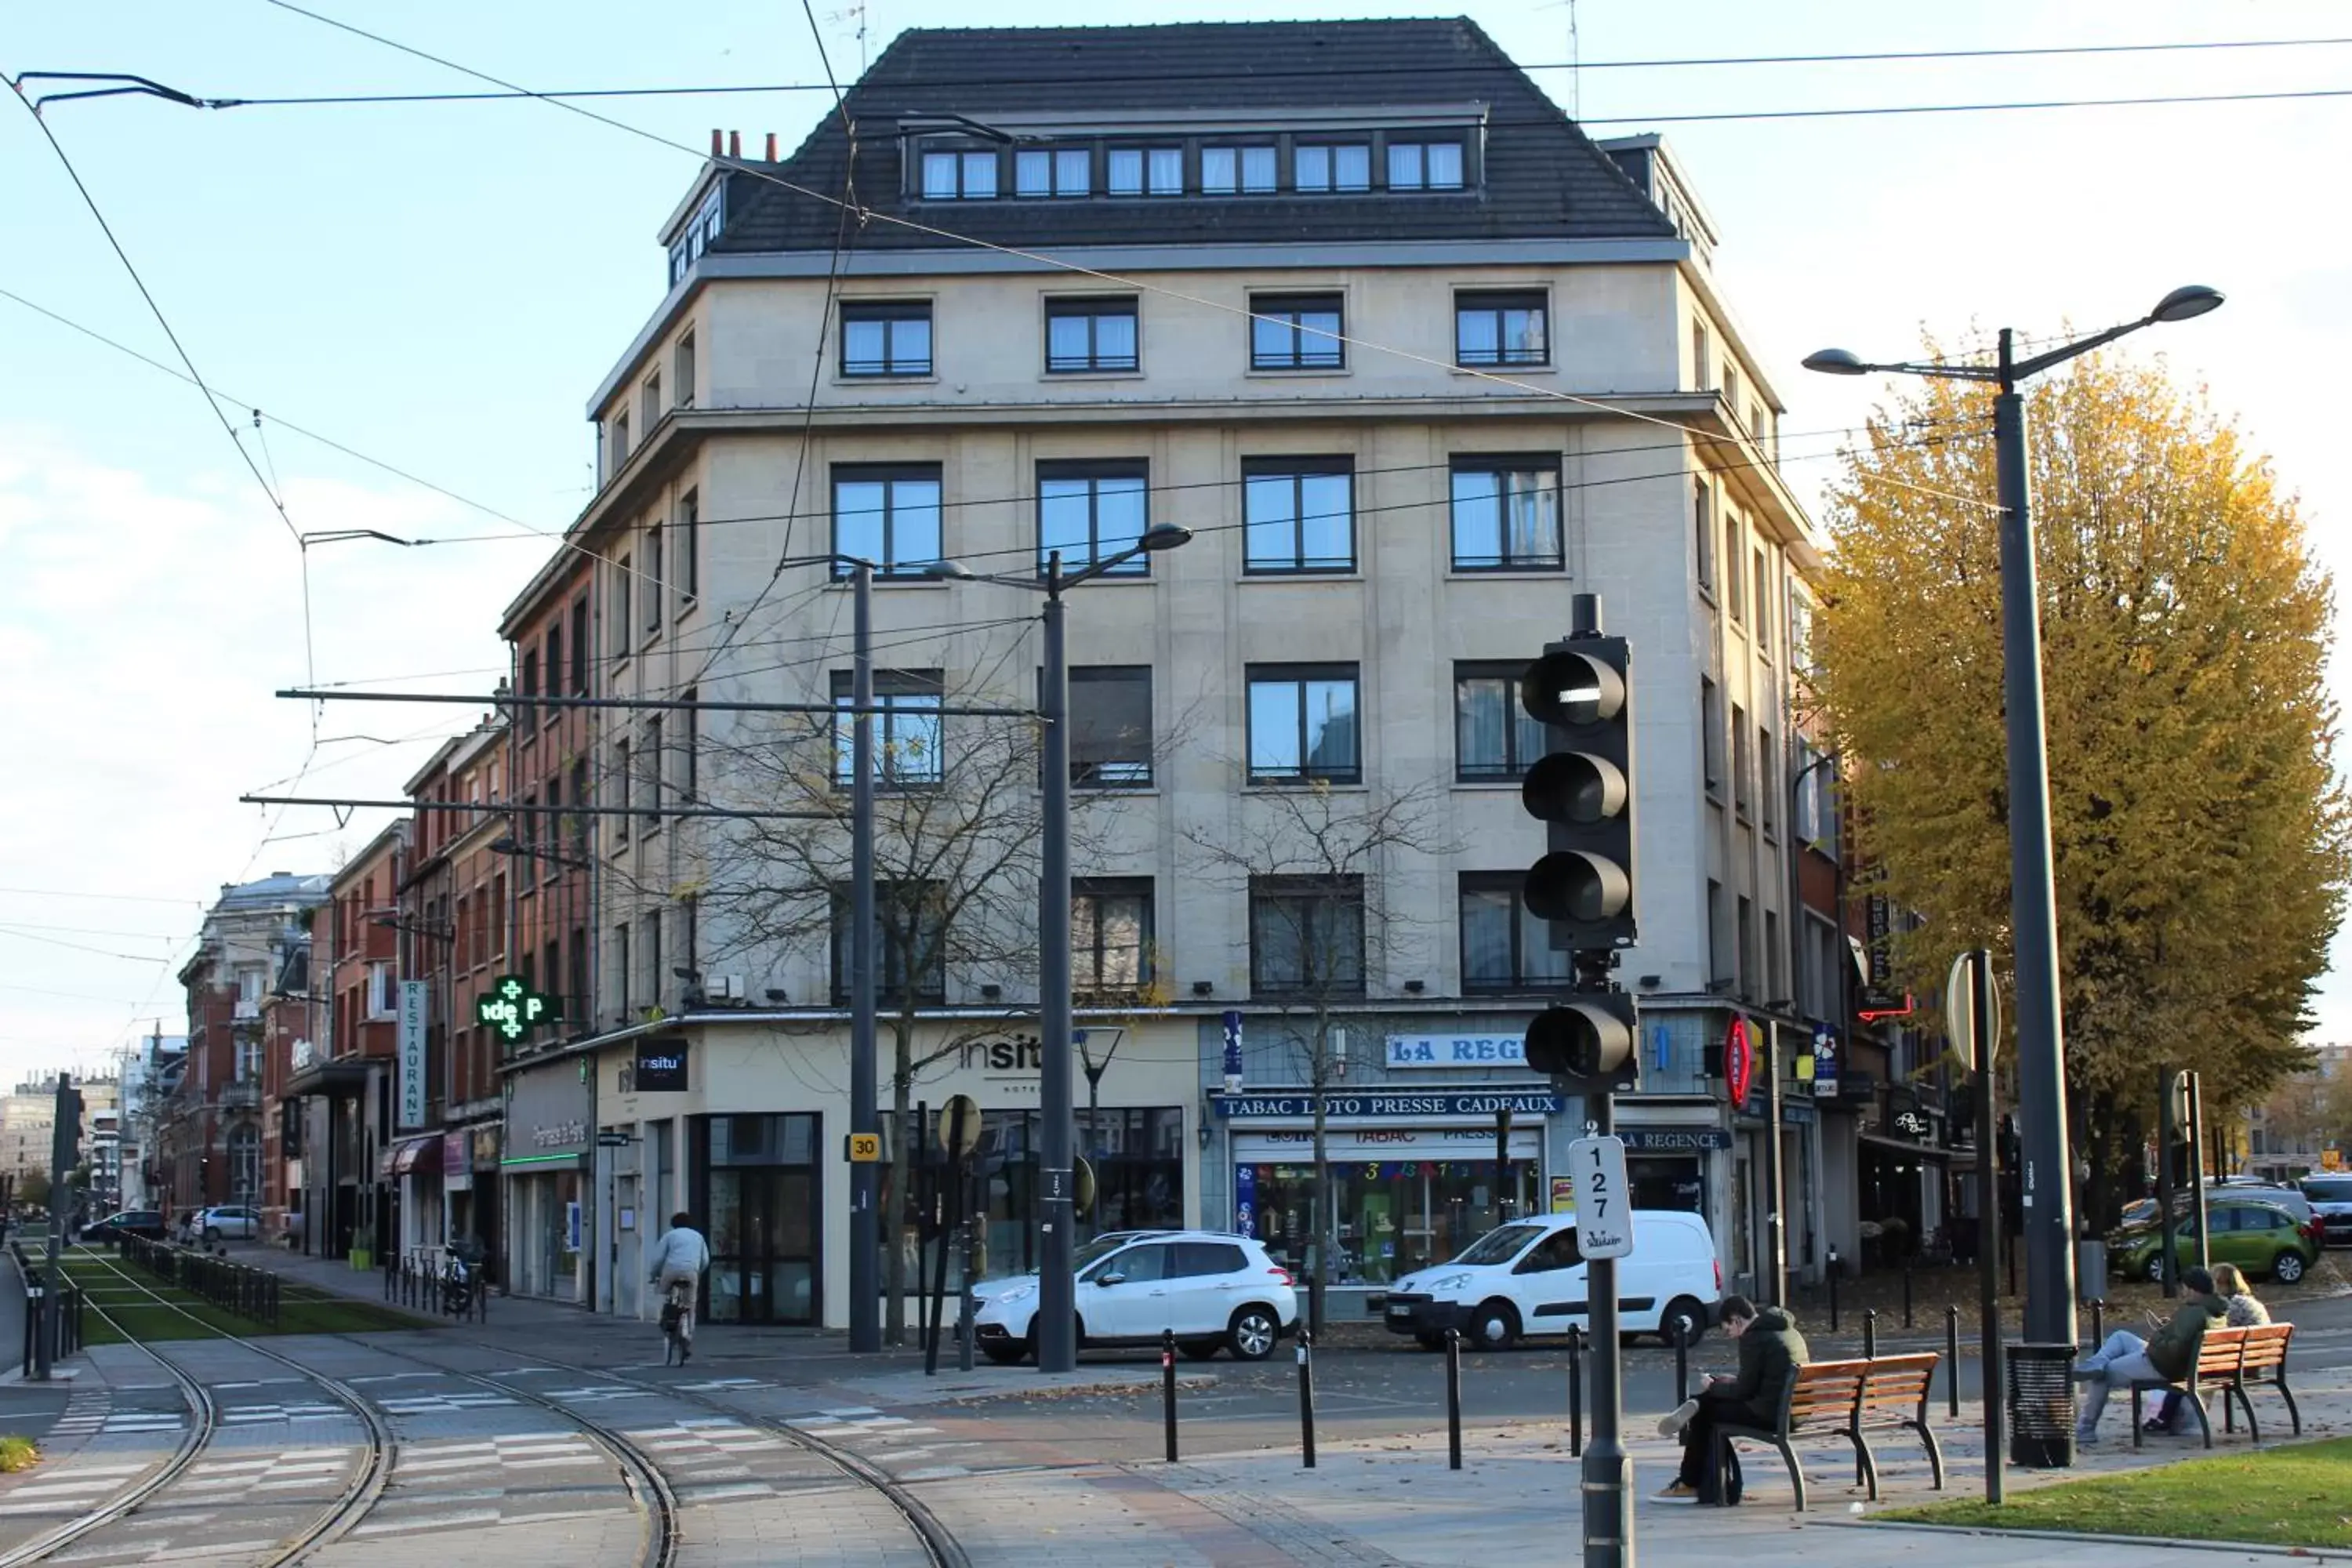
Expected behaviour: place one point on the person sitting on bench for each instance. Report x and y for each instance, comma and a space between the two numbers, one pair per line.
1770, 1350
2126, 1358
2245, 1312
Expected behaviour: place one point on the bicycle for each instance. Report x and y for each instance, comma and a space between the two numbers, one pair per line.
678, 1323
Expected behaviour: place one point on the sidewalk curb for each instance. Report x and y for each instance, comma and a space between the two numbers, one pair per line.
2299, 1553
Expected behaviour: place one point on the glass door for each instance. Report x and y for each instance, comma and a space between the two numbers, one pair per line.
763, 1246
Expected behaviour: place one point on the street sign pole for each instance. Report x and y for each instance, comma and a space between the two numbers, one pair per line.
1608, 1472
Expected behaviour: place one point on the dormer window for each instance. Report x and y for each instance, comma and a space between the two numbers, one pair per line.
1056, 171
1424, 165
1139, 171
697, 235
1343, 166
959, 176
1247, 171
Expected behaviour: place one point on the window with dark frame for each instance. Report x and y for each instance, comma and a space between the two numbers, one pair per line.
889, 514
1303, 724
1502, 328
651, 402
1296, 331
1299, 515
1307, 936
1742, 744
959, 176
624, 620
688, 567
555, 668
580, 645
884, 338
1110, 935
1494, 738
1506, 514
1254, 169
654, 582
1053, 171
621, 970
909, 739
1144, 170
1732, 553
910, 941
689, 749
1505, 948
650, 760
1702, 521
624, 781
551, 836
650, 944
1110, 726
1091, 334
1342, 166
1092, 510
580, 819
578, 1005
683, 373
1424, 165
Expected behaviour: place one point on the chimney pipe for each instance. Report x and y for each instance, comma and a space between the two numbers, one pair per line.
734, 143
771, 146
716, 144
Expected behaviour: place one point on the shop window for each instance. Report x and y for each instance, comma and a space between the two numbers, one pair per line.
1394, 1215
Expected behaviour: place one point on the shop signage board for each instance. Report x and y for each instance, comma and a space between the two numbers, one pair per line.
1826, 1062
1563, 1194
1605, 1205
512, 1008
1292, 1146
1233, 1053
1738, 1061
1480, 1102
410, 1037
1407, 1053
661, 1066
1673, 1139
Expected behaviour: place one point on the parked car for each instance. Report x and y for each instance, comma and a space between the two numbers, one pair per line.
2331, 1199
2293, 1199
1209, 1288
228, 1222
1528, 1278
148, 1223
1101, 1246
2259, 1238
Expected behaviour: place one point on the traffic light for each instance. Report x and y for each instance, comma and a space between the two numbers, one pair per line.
1582, 789
65, 1144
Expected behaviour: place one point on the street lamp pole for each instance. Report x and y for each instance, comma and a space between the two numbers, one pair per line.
2048, 1229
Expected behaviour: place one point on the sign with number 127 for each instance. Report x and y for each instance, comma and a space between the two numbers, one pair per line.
1604, 1204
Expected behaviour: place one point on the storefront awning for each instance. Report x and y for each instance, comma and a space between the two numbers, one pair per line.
417, 1156
346, 1077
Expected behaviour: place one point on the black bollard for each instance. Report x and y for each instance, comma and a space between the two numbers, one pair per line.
1833, 1285
1575, 1393
1906, 1293
1168, 1388
1682, 1360
1454, 1399
1869, 1332
1305, 1399
2098, 1322
1952, 1361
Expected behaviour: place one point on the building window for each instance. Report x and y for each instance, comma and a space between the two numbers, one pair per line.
1110, 726
580, 645
1307, 936
1110, 934
654, 582
959, 176
1731, 389
650, 405
885, 337
623, 781
910, 942
1139, 171
688, 567
907, 741
1424, 165
1762, 601
1503, 948
379, 991
624, 618
1507, 514
526, 684
1090, 334
650, 944
1494, 738
1750, 972
1701, 371
1768, 793
1302, 724
1501, 329
577, 1002
689, 749
619, 453
1710, 723
682, 371
1732, 552
623, 976
1091, 510
1300, 514
554, 668
1056, 172
688, 246
1702, 521
650, 760
889, 516
1740, 746
1296, 331
1342, 166
549, 833
1250, 171
580, 819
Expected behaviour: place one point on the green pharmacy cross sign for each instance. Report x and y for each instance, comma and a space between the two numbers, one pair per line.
513, 1008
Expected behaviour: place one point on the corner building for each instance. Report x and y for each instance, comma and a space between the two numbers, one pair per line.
1415, 360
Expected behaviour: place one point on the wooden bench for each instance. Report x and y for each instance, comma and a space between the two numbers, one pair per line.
1850, 1399
2232, 1360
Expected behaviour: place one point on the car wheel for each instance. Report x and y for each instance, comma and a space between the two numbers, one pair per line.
1686, 1310
2155, 1270
2288, 1268
1253, 1333
1004, 1354
1430, 1342
1495, 1326
1200, 1349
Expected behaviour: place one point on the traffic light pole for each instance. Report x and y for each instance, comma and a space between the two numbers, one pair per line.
1608, 1473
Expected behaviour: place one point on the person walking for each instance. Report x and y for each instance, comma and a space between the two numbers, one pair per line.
1770, 1350
2125, 1358
681, 1259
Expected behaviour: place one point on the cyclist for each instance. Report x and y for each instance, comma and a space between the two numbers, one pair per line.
679, 1261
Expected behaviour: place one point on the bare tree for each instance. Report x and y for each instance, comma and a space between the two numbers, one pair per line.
1319, 868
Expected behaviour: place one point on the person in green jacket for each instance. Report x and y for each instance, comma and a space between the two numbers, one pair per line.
1770, 1349
2126, 1358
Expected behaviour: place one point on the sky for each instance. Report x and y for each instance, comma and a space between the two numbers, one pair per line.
440, 287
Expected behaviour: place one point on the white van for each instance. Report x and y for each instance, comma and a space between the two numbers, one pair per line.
1528, 1278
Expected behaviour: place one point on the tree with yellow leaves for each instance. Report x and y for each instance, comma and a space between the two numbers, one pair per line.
2197, 827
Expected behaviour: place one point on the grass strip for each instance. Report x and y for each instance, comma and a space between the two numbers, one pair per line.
180, 1314
18, 1454
2294, 1495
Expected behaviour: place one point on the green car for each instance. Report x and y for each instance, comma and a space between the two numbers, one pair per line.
2259, 1238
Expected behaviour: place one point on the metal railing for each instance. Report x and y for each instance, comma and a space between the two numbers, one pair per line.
235, 1287
66, 1325
422, 1279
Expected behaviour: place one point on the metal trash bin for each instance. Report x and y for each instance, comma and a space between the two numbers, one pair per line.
2091, 1271
2041, 1406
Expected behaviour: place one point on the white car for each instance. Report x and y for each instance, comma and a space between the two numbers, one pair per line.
1528, 1278
1109, 1242
1209, 1288
230, 1222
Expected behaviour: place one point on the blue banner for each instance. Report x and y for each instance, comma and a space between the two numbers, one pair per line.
1245, 1199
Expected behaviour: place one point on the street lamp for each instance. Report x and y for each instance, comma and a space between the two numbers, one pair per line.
1057, 1349
2034, 915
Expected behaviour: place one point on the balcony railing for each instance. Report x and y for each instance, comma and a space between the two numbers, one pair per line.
245, 1094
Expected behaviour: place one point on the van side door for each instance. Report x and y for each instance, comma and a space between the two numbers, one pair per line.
1547, 1284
